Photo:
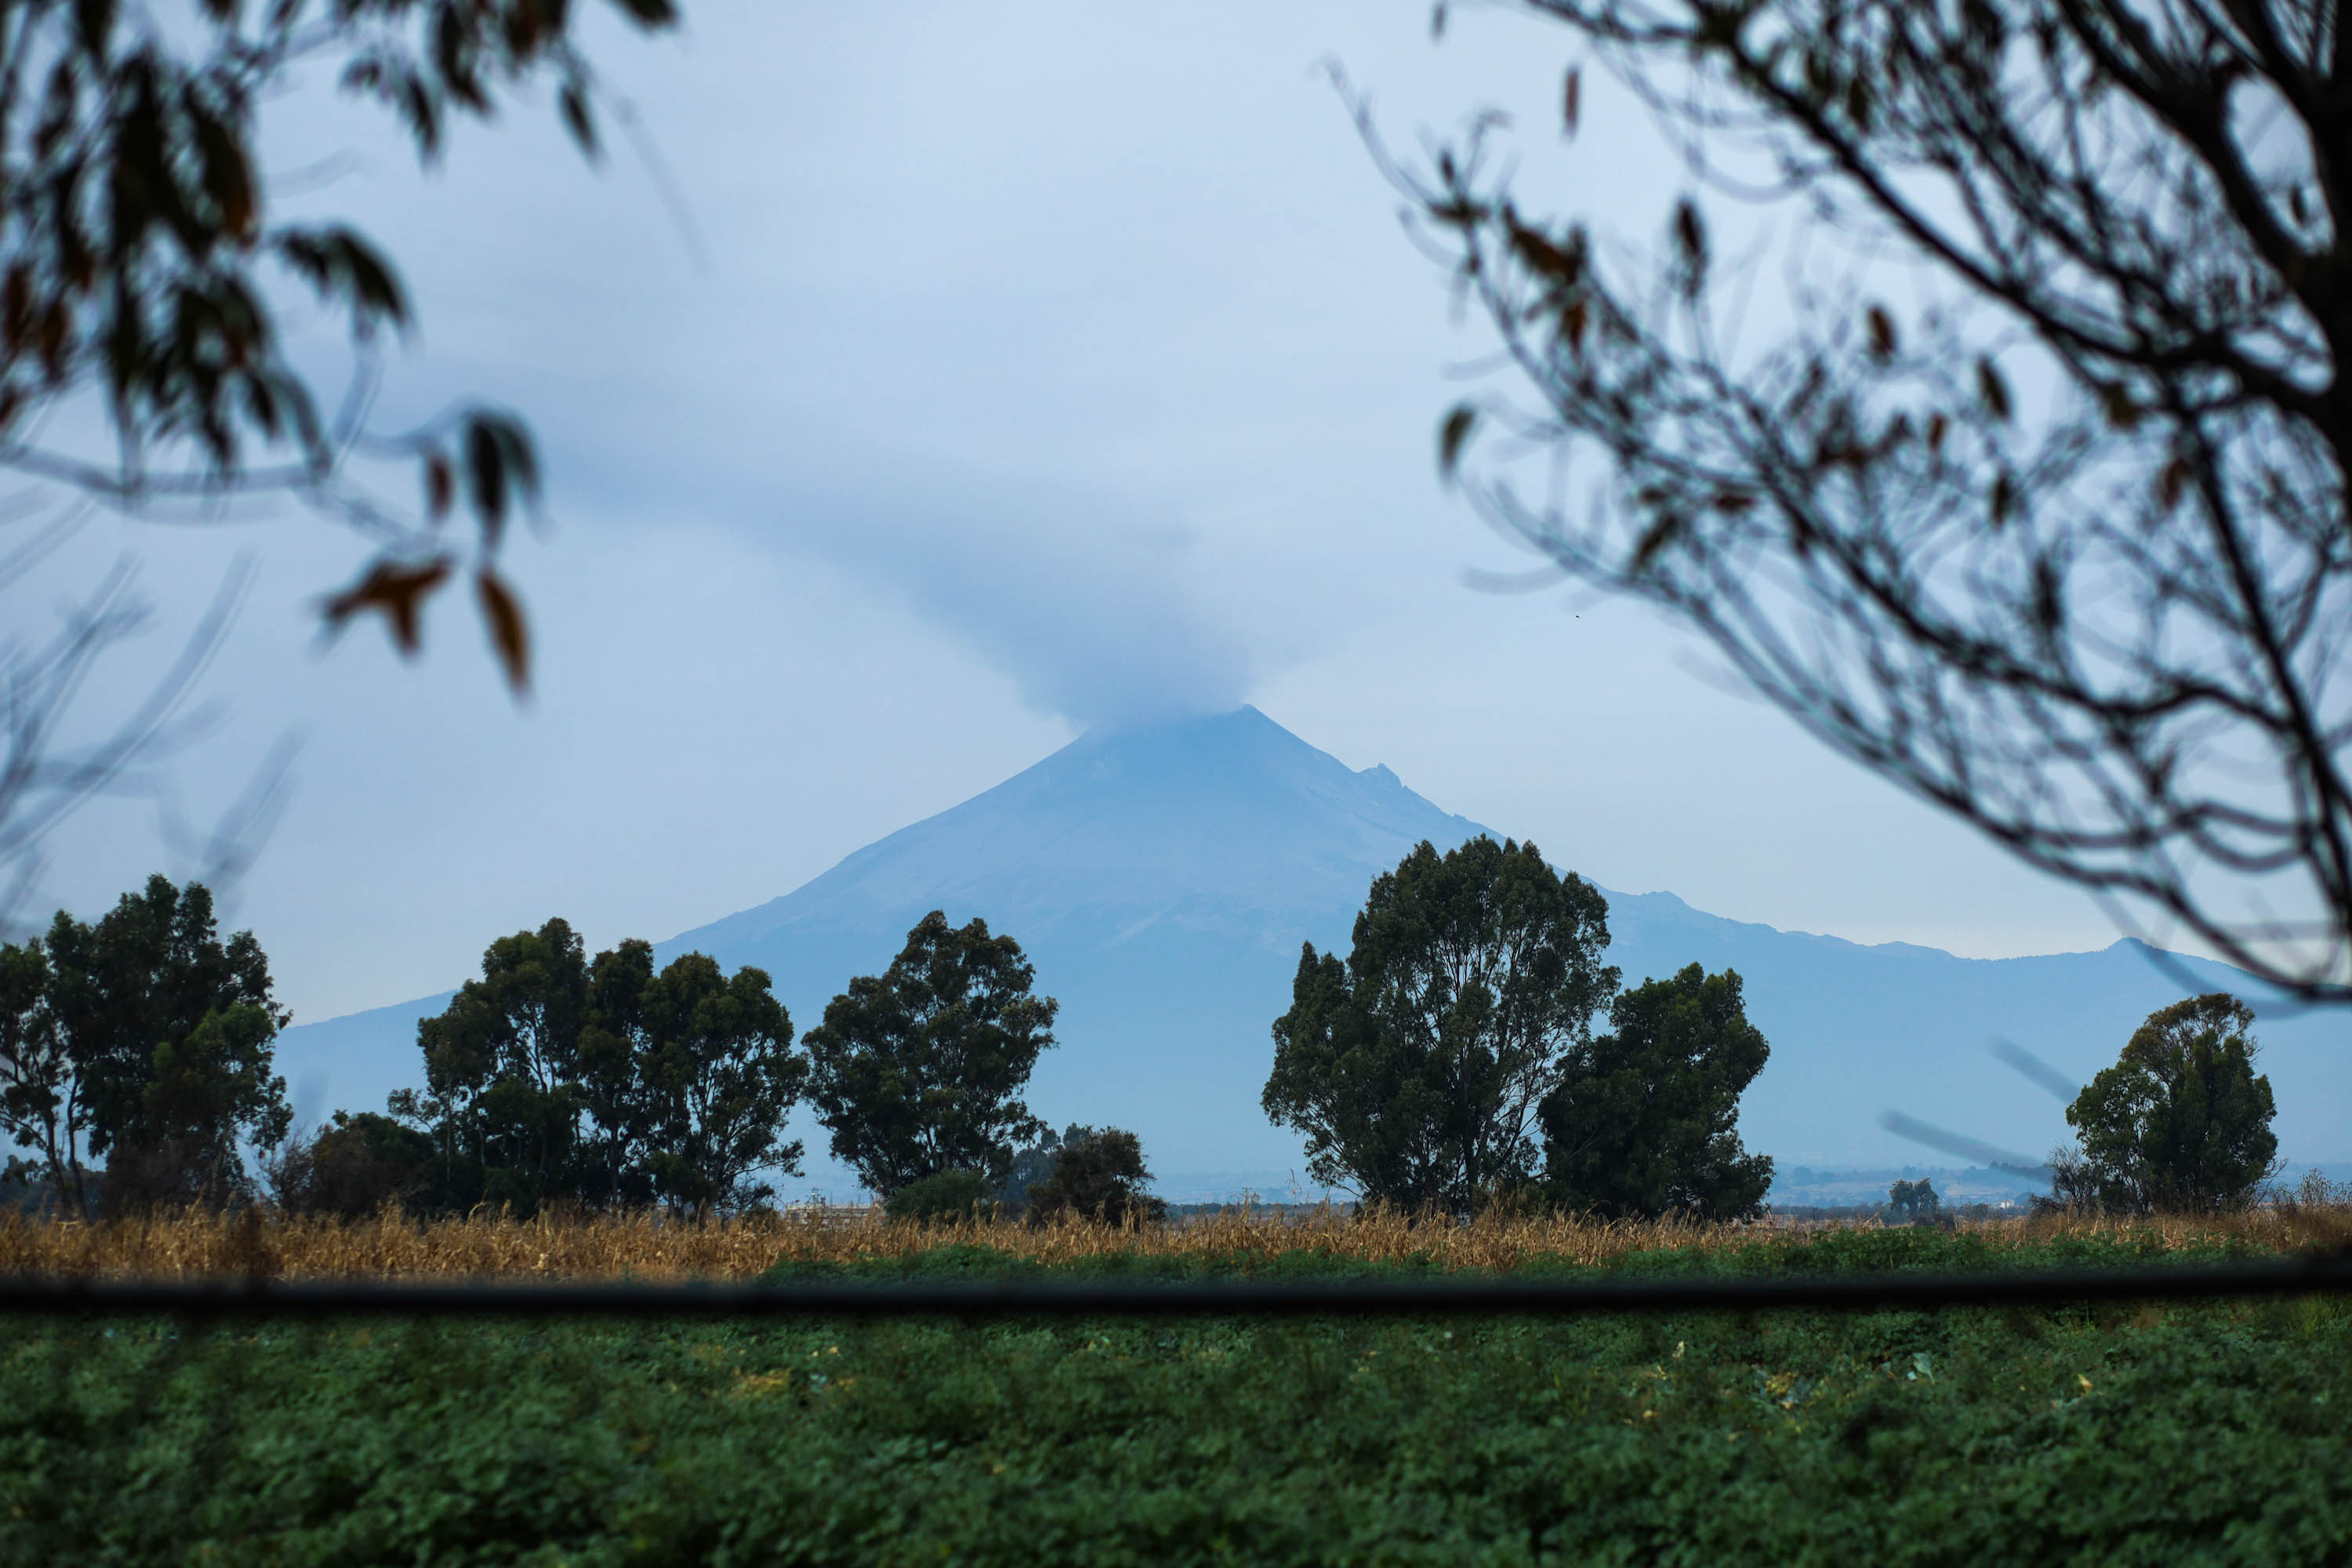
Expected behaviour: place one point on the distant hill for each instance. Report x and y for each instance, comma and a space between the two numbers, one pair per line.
1162, 881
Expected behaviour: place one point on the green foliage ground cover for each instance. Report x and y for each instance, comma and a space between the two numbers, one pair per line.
2127, 1435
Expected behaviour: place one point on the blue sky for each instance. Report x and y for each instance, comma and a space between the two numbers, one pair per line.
1015, 367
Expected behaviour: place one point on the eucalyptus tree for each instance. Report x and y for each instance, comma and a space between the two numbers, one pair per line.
1416, 1067
145, 1042
502, 1072
918, 1069
2182, 1122
1644, 1121
720, 1077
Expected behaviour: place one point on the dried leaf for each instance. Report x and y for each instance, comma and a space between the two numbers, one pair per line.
1569, 97
94, 20
395, 591
510, 637
1992, 389
2171, 484
1858, 102
2049, 603
1451, 435
17, 307
500, 465
1656, 538
1690, 243
440, 486
2116, 399
1882, 332
1938, 426
574, 104
227, 174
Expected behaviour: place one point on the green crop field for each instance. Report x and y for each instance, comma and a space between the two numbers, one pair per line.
2167, 1435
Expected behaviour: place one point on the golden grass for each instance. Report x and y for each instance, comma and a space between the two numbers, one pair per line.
202, 1246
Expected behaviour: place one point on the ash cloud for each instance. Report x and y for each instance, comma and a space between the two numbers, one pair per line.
1100, 613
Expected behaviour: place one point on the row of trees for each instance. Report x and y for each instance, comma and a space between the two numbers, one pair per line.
604, 1083
1451, 1060
136, 1070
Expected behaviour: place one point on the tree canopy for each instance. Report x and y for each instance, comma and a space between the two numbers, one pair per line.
2028, 490
1415, 1068
1644, 1121
918, 1069
721, 1075
1100, 1175
145, 1041
2181, 1122
502, 1066
602, 1082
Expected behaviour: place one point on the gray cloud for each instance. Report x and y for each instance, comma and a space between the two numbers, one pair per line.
1100, 616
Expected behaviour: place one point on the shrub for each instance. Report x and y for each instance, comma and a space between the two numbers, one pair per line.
948, 1196
352, 1168
1100, 1176
1913, 1202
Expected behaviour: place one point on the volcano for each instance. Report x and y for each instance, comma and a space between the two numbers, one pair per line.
1162, 880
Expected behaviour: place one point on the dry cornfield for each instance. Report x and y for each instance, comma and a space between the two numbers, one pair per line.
644, 1246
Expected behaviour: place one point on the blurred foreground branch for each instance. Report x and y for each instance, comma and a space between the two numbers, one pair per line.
2037, 508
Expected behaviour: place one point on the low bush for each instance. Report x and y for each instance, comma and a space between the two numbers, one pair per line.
947, 1196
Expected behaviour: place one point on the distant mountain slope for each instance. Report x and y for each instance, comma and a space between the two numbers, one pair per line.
1162, 881
1857, 1030
1230, 827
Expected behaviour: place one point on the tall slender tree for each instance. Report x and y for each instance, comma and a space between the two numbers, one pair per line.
624, 1109
721, 1077
502, 1064
41, 1103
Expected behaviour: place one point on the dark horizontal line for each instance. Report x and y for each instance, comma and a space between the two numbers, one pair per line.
1057, 1298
